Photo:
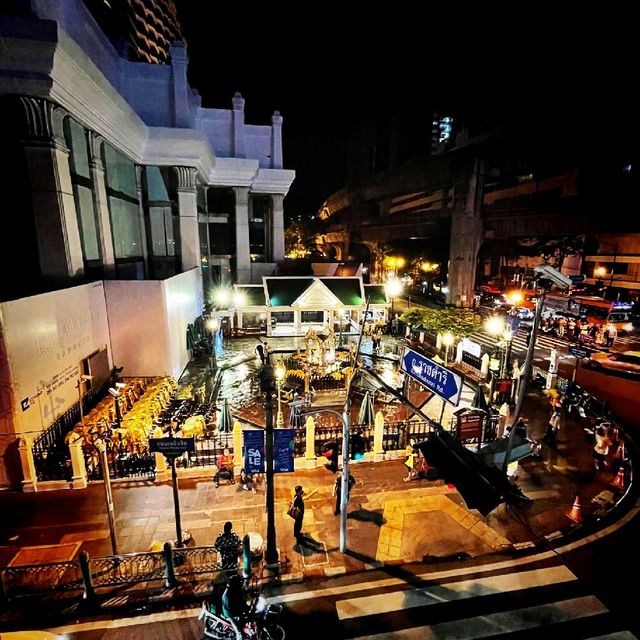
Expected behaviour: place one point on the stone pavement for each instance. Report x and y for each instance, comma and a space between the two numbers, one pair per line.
390, 521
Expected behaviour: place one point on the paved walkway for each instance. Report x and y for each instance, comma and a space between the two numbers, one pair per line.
390, 521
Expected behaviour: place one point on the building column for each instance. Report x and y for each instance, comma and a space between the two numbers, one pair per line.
56, 221
310, 442
243, 256
466, 236
78, 466
297, 320
100, 201
237, 116
188, 213
29, 476
277, 227
269, 328
276, 140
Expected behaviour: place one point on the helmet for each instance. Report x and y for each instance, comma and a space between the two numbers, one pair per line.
235, 581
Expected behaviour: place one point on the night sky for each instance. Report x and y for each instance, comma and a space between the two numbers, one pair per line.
325, 75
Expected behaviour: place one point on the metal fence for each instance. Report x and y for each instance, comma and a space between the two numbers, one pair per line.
108, 573
125, 461
51, 455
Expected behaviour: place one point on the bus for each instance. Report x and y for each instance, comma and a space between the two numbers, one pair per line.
596, 310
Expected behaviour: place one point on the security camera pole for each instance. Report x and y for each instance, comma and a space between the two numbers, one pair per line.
555, 277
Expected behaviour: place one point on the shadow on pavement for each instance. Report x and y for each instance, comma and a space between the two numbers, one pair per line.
364, 515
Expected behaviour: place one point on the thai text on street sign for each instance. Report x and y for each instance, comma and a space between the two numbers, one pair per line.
253, 450
440, 380
172, 447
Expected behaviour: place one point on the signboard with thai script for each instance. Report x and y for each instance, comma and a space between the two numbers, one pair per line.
253, 450
436, 378
283, 450
469, 425
172, 447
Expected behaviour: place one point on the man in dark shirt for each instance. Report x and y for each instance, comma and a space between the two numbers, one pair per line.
229, 546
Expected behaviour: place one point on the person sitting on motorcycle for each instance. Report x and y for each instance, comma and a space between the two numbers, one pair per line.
234, 604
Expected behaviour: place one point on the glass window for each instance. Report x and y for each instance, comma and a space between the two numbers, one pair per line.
125, 225
156, 185
163, 242
120, 172
77, 142
87, 218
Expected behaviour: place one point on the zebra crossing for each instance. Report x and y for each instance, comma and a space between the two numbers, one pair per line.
519, 342
477, 602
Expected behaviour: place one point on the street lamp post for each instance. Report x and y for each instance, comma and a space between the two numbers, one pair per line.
447, 341
98, 442
280, 373
344, 495
393, 289
81, 379
267, 381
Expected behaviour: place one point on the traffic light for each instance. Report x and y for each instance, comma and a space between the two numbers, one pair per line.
482, 486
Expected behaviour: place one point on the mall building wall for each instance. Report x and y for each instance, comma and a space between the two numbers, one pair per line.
44, 341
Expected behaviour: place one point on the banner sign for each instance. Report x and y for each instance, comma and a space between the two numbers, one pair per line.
440, 380
283, 450
253, 450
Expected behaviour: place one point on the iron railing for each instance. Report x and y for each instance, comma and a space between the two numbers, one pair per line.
36, 579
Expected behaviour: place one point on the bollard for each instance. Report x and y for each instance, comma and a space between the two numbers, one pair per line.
171, 580
246, 557
89, 592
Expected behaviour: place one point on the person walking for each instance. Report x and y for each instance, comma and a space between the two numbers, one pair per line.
229, 546
612, 334
553, 426
337, 491
298, 505
410, 459
601, 448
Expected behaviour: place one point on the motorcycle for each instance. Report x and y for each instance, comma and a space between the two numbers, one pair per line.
260, 623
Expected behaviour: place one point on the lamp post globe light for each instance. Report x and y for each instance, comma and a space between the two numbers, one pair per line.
393, 289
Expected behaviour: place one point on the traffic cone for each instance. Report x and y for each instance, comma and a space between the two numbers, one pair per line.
618, 481
575, 513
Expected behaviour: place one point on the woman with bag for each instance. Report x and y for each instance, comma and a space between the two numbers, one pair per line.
297, 513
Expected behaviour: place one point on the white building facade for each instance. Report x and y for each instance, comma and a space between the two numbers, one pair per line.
114, 172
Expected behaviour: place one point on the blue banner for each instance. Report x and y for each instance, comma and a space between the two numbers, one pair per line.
254, 451
283, 450
442, 381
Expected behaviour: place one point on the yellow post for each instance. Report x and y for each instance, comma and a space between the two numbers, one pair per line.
238, 458
78, 467
29, 477
378, 433
162, 468
310, 452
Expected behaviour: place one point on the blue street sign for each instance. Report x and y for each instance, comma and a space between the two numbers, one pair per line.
253, 450
577, 279
283, 450
578, 352
442, 381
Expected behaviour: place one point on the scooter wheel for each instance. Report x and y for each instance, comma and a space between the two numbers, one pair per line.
272, 632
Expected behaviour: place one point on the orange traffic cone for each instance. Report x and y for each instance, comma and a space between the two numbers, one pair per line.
618, 481
575, 513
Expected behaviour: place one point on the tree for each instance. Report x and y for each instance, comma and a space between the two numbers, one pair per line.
299, 239
459, 322
554, 251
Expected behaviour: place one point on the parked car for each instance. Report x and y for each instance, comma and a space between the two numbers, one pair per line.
488, 297
625, 362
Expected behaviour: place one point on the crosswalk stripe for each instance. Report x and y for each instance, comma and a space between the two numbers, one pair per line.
501, 622
451, 591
